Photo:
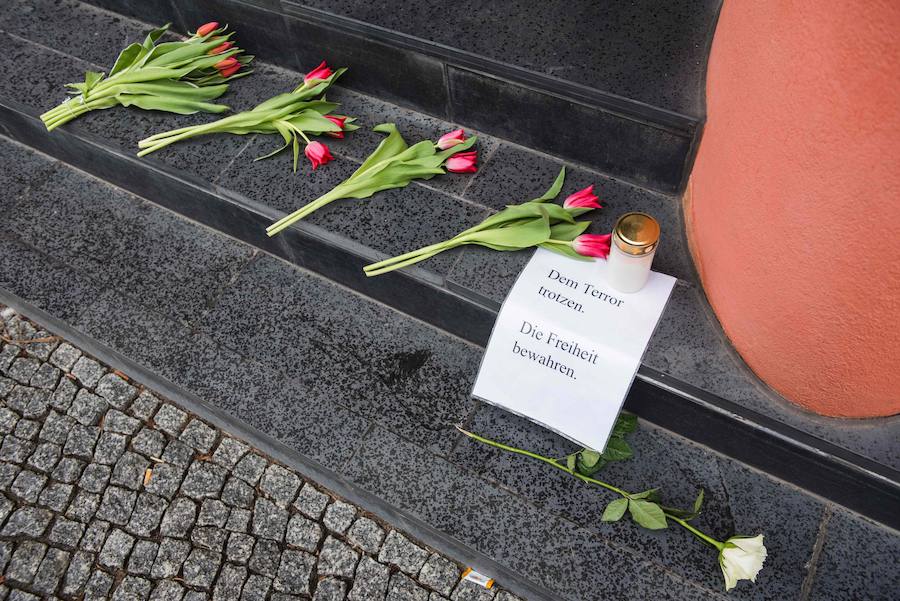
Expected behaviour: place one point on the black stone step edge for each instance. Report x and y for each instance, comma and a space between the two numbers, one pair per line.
783, 451
310, 469
636, 110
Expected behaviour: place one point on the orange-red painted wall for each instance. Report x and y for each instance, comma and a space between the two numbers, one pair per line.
794, 206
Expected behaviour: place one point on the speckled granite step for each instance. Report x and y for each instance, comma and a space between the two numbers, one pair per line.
691, 380
614, 85
363, 398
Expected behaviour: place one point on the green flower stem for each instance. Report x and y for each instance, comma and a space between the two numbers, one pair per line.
408, 258
193, 131
702, 536
547, 460
420, 254
407, 263
303, 211
68, 112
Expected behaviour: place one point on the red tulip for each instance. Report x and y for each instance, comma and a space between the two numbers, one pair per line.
318, 154
226, 63
339, 121
592, 245
457, 136
323, 71
207, 28
583, 199
464, 162
220, 48
230, 70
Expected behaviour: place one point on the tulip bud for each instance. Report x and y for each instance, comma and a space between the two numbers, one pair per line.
592, 245
230, 70
741, 558
583, 199
457, 136
318, 154
220, 48
207, 28
321, 72
226, 62
464, 162
339, 121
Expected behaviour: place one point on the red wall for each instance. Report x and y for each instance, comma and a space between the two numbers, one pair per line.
794, 206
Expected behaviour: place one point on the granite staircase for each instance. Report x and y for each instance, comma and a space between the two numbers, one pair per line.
161, 267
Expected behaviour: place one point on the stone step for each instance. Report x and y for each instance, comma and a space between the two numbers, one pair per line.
363, 398
616, 86
691, 380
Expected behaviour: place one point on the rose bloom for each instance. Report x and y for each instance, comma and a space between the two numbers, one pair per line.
741, 558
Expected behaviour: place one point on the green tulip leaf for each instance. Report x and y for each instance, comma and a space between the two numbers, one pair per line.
553, 191
564, 249
568, 231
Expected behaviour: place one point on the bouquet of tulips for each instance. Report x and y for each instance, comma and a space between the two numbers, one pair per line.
537, 222
178, 77
294, 115
394, 164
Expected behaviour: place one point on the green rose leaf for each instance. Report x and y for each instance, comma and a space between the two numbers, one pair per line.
647, 494
626, 423
647, 514
617, 450
589, 457
570, 461
615, 510
589, 462
698, 503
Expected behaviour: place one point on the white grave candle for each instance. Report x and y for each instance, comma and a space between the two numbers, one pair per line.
634, 242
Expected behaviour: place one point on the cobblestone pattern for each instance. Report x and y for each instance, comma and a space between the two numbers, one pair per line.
109, 492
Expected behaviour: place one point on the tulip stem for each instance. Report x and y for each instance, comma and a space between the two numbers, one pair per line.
429, 250
412, 261
302, 212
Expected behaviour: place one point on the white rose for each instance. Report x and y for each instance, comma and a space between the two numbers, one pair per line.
741, 558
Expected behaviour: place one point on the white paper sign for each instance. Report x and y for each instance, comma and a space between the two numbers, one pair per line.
566, 346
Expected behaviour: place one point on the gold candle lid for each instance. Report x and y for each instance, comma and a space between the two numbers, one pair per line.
636, 233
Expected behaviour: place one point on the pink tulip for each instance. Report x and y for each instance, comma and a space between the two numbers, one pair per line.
220, 48
339, 121
318, 154
592, 245
207, 28
457, 136
583, 199
323, 71
464, 162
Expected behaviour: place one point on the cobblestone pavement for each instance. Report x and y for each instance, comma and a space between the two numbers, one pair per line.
108, 491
